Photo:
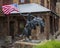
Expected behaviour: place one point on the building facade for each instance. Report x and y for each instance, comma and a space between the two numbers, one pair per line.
14, 24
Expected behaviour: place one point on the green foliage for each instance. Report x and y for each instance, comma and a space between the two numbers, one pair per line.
49, 44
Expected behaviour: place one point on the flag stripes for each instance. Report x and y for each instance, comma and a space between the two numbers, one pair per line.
7, 9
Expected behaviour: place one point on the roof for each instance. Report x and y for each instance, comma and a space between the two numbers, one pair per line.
32, 7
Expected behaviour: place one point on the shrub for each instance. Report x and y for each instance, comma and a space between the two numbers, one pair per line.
48, 44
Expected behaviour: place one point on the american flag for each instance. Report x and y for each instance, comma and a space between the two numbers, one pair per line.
7, 9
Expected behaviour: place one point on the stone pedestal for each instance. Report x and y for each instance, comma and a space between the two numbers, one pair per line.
35, 34
21, 44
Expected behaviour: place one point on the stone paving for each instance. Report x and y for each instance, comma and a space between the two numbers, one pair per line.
3, 43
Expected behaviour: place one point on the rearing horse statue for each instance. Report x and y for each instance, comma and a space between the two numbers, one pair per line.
31, 24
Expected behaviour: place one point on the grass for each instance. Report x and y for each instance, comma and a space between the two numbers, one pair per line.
48, 44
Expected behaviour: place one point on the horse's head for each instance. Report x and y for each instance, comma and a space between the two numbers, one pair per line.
38, 21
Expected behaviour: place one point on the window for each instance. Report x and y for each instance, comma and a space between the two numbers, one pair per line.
1, 27
0, 2
42, 2
56, 24
21, 25
21, 1
47, 3
5, 2
51, 25
11, 28
24, 1
42, 27
27, 1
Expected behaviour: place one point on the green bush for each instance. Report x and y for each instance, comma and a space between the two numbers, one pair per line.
49, 44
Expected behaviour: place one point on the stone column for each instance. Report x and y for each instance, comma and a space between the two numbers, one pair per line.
58, 11
47, 26
59, 24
